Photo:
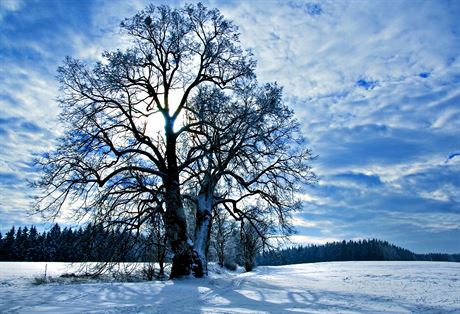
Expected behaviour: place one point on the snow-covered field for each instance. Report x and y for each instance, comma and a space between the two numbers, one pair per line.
341, 287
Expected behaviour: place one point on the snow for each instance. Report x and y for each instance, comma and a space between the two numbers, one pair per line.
340, 287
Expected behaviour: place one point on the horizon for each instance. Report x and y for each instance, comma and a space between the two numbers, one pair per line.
375, 86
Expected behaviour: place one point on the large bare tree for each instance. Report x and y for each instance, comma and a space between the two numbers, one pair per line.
126, 157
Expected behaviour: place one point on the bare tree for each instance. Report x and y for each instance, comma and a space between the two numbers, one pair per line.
238, 143
110, 163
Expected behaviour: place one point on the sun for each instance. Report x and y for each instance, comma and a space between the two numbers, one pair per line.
155, 123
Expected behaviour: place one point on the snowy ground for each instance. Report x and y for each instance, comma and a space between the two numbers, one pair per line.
342, 287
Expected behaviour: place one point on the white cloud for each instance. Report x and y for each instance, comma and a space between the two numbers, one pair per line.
449, 116
310, 198
434, 222
299, 221
305, 240
319, 58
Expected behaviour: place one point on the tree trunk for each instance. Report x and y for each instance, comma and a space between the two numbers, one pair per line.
176, 232
202, 233
175, 218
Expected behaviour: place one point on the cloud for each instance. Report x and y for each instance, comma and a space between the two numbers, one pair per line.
309, 8
33, 44
360, 179
306, 240
301, 222
7, 6
407, 211
346, 41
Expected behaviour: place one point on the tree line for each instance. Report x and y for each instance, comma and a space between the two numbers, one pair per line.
89, 244
230, 247
107, 247
361, 250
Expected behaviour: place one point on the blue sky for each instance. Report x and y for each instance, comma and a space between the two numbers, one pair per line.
375, 84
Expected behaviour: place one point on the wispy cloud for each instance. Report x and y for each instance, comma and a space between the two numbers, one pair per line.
306, 240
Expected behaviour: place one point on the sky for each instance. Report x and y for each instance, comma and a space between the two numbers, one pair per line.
374, 84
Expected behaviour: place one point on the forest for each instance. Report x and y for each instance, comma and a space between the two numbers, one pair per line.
91, 243
361, 250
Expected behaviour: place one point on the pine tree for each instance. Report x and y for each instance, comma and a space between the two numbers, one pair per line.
2, 248
9, 244
33, 245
